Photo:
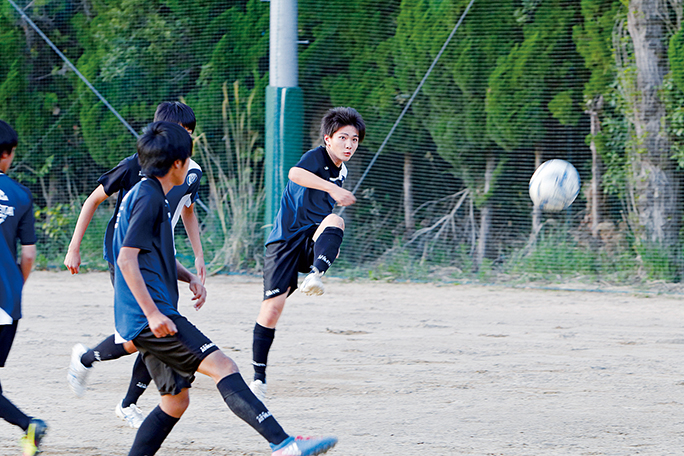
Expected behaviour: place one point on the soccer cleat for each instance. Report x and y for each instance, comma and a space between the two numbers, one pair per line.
78, 373
30, 442
312, 284
259, 389
131, 415
303, 446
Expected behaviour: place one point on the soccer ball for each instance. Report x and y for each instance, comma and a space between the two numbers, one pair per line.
554, 185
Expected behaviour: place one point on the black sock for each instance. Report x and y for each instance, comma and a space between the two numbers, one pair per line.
105, 350
10, 413
140, 379
156, 427
246, 406
327, 247
261, 344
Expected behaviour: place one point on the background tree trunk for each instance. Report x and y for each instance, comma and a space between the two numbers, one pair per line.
485, 212
653, 181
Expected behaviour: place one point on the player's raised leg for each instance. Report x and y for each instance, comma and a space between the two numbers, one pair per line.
327, 241
240, 399
82, 359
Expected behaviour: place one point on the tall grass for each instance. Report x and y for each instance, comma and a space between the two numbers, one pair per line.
232, 233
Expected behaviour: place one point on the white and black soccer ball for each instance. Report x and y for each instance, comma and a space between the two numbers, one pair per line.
554, 185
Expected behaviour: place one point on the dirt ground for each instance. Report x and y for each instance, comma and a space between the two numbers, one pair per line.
390, 368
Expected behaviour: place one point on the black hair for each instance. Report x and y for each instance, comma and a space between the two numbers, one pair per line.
8, 138
160, 145
337, 118
176, 112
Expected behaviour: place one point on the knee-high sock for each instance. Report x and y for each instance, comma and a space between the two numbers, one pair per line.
326, 247
261, 345
140, 379
105, 350
246, 406
10, 413
156, 427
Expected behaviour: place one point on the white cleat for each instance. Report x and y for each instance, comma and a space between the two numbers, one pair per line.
259, 389
131, 415
313, 285
78, 373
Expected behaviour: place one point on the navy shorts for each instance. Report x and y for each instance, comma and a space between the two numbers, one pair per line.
283, 262
173, 360
7, 333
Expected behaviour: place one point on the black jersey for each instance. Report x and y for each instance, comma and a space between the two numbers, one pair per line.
301, 207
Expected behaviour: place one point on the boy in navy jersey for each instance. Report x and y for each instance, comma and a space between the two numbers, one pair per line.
16, 225
306, 235
146, 306
181, 200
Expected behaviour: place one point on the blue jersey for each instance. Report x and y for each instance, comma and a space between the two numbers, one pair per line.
301, 207
144, 222
17, 224
126, 174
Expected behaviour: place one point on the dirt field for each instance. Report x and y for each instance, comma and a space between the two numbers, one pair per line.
391, 369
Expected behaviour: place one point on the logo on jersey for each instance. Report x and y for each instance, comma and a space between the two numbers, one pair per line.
272, 292
5, 211
192, 178
3, 196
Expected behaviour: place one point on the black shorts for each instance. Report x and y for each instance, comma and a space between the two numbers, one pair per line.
283, 262
173, 360
7, 333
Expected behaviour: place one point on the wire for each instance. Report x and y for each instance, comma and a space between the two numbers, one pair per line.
408, 105
71, 65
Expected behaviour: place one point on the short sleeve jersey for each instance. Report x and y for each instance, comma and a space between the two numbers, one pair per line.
143, 222
126, 174
301, 207
17, 224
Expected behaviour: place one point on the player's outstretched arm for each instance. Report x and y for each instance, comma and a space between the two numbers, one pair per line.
73, 257
196, 286
28, 257
160, 324
192, 228
308, 179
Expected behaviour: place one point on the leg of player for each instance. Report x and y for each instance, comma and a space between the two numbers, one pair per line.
327, 241
128, 409
82, 359
241, 401
264, 333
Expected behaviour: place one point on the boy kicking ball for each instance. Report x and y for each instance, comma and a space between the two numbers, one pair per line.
306, 235
146, 306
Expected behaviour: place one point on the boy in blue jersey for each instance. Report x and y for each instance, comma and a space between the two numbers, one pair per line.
306, 235
16, 225
146, 306
181, 200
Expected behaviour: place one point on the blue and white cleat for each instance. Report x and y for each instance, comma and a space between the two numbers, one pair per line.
304, 446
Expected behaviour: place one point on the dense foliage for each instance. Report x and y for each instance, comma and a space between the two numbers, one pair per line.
522, 81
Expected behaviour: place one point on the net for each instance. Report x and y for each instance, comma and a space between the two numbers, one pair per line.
458, 114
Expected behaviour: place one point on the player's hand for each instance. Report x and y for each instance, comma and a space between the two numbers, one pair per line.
161, 325
201, 269
343, 197
198, 291
72, 261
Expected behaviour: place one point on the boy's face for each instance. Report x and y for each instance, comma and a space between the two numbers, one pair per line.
179, 170
342, 144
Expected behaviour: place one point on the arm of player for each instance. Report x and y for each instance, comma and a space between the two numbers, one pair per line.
73, 257
308, 179
28, 257
192, 228
160, 324
196, 286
